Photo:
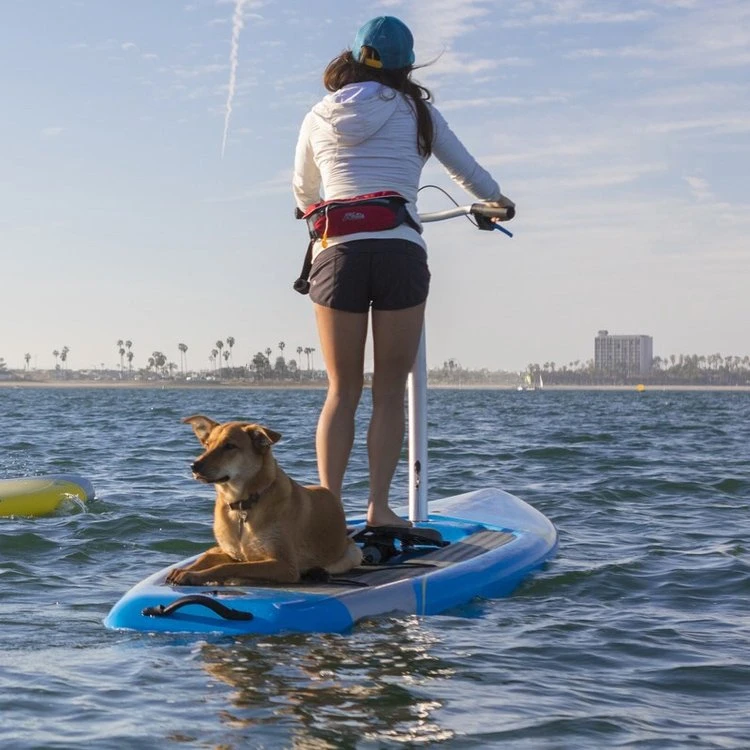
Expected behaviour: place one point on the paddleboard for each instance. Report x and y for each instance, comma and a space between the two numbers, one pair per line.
478, 544
38, 496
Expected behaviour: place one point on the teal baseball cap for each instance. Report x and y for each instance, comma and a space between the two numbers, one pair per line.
390, 38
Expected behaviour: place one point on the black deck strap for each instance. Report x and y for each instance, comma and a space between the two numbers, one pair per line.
370, 568
405, 534
348, 582
322, 576
366, 568
315, 575
206, 601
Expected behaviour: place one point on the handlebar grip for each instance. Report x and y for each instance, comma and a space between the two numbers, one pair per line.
493, 212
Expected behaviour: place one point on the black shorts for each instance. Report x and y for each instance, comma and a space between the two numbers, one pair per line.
387, 274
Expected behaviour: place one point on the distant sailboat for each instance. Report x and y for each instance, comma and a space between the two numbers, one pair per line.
528, 383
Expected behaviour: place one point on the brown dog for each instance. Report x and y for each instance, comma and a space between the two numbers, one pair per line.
266, 525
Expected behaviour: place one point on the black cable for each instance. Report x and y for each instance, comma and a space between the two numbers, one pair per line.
451, 199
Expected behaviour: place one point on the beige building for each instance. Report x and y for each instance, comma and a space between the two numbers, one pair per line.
629, 355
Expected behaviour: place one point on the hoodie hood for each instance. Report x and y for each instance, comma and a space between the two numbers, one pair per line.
357, 111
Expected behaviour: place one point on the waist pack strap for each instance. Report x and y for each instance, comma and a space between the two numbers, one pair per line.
373, 212
353, 201
302, 284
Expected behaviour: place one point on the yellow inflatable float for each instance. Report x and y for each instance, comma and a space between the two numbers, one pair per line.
38, 496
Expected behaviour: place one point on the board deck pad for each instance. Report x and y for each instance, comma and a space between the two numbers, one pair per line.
378, 575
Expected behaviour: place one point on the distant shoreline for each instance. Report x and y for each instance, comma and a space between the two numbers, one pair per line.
171, 385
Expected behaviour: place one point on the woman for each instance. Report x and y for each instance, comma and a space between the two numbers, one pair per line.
372, 133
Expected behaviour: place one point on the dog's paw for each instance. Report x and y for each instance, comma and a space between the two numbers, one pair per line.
181, 577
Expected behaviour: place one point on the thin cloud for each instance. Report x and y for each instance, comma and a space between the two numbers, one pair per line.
507, 101
238, 23
722, 124
276, 185
570, 13
699, 188
437, 23
51, 132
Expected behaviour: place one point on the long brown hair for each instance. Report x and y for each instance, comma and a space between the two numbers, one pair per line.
344, 69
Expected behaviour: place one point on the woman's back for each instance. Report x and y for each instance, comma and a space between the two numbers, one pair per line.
363, 139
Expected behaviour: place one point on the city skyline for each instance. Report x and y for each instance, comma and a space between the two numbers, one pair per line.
147, 167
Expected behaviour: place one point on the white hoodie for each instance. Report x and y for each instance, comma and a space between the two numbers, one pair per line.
363, 139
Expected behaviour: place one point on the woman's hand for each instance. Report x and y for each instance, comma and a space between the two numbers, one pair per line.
502, 202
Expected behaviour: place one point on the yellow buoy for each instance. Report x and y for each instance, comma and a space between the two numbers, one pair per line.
38, 496
640, 388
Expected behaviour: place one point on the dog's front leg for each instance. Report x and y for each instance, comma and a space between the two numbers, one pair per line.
277, 571
209, 559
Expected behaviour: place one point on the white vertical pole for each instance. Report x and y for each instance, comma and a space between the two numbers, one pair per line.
417, 390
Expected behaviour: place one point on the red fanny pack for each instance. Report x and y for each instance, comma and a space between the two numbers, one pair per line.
372, 212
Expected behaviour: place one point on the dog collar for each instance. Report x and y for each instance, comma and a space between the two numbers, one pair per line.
247, 503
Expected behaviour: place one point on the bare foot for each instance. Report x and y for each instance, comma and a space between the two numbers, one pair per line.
385, 517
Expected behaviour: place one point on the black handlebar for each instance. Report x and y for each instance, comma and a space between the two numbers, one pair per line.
504, 213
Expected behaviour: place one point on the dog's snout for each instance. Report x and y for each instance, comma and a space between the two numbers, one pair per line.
195, 467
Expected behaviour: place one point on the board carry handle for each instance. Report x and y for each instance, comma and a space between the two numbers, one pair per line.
206, 601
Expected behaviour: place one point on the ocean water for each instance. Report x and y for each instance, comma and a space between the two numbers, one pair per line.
637, 635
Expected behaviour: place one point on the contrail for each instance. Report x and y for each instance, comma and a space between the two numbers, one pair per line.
238, 23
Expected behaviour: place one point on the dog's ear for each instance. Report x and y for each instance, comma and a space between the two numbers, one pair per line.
201, 425
263, 437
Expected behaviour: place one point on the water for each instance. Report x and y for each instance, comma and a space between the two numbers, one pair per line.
636, 636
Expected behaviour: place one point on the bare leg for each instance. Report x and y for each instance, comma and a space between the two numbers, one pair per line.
396, 335
342, 341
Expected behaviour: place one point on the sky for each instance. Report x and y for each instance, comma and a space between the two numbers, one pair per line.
146, 151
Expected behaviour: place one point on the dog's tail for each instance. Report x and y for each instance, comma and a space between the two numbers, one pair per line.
350, 559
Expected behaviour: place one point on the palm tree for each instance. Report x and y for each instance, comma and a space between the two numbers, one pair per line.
64, 355
260, 365
214, 355
312, 351
219, 346
159, 361
27, 357
129, 355
121, 352
282, 345
230, 344
183, 357
308, 351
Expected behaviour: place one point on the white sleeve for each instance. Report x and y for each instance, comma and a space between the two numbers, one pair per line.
306, 178
459, 163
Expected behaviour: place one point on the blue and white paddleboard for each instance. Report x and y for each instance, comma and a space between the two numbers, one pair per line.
491, 541
479, 544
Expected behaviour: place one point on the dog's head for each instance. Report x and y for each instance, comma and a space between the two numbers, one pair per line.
234, 451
